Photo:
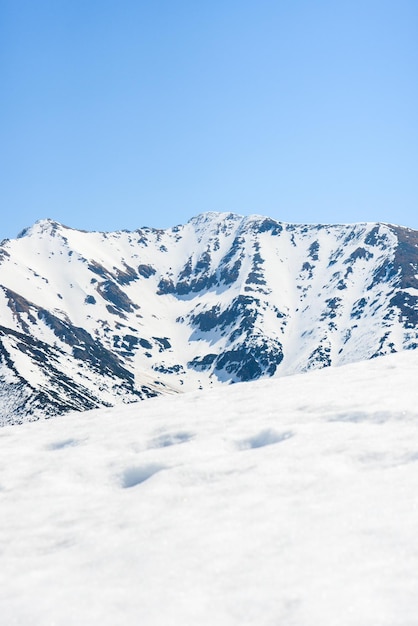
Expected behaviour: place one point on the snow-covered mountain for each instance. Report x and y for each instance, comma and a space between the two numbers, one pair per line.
281, 502
93, 319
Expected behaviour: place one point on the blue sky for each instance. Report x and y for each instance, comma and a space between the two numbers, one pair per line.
118, 114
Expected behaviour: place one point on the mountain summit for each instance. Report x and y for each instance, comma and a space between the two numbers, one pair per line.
95, 319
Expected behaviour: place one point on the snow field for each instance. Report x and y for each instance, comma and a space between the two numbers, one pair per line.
287, 501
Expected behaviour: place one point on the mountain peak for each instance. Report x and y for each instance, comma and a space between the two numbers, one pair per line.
204, 220
41, 227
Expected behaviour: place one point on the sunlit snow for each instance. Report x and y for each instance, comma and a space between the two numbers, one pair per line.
284, 502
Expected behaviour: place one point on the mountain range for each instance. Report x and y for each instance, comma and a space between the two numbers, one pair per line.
90, 319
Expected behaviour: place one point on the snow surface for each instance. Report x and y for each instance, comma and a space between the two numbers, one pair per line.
283, 502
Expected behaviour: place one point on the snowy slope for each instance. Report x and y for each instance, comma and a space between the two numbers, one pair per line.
290, 501
93, 319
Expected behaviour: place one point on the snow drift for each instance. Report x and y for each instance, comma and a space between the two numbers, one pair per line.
282, 501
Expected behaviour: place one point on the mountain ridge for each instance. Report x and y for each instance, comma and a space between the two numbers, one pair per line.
92, 319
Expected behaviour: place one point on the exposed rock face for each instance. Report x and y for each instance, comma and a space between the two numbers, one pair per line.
93, 319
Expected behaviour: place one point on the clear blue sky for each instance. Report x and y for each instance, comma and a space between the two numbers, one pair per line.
120, 113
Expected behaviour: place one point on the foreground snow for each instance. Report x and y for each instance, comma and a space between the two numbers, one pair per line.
287, 502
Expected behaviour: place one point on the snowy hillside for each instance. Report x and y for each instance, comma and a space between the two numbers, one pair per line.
290, 501
96, 319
